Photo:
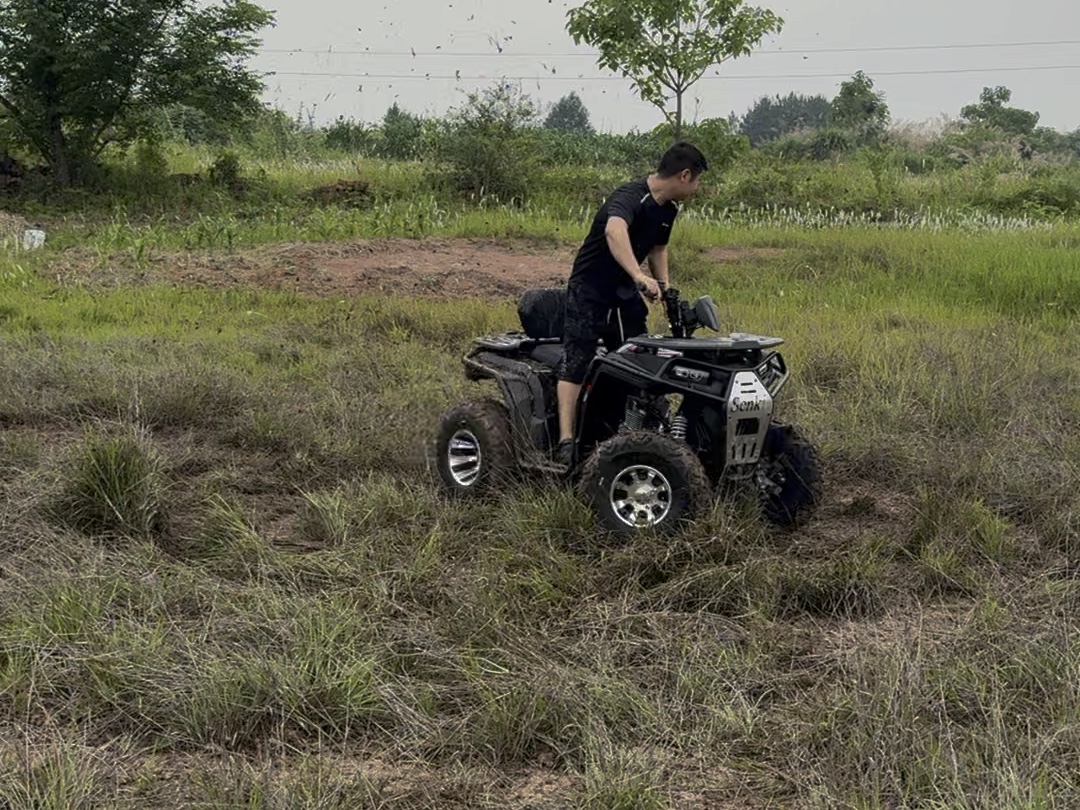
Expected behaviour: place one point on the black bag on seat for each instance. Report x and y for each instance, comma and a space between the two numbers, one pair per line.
542, 312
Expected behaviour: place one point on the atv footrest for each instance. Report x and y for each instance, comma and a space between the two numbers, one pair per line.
541, 464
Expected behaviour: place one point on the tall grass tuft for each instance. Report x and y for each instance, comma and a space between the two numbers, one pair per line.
58, 775
115, 486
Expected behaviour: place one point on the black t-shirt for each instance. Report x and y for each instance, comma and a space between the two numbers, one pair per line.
596, 272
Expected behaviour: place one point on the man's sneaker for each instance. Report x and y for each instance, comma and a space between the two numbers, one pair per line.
564, 453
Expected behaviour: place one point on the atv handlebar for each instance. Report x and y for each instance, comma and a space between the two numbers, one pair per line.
685, 319
676, 313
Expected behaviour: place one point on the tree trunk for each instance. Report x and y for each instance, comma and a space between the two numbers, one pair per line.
54, 141
60, 160
677, 73
678, 114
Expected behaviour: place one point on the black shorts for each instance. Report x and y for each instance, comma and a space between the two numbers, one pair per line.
589, 321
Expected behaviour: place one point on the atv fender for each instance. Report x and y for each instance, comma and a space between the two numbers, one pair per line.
522, 390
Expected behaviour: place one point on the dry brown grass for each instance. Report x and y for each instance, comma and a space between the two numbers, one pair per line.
311, 624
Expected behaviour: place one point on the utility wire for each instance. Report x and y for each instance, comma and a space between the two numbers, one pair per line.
760, 77
332, 49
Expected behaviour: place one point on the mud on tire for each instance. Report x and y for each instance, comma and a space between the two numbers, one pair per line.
474, 453
644, 480
791, 463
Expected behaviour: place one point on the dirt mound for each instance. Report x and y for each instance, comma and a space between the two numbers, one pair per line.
444, 268
345, 193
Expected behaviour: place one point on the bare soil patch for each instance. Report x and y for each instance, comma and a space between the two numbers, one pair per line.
732, 254
435, 268
425, 268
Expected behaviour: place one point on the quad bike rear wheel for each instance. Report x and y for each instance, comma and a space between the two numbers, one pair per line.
473, 450
644, 481
789, 477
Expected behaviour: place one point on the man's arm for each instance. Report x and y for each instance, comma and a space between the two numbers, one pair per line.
618, 239
658, 264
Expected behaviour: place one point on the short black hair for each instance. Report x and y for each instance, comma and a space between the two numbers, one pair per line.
680, 157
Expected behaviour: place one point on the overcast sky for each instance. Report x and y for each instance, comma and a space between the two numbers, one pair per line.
366, 48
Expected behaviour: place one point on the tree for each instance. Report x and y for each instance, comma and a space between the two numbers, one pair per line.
772, 118
992, 112
401, 134
858, 109
665, 46
485, 151
569, 115
1072, 143
76, 75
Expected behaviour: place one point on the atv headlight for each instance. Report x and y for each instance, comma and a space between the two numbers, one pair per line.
692, 374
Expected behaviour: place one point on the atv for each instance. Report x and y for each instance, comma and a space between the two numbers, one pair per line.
664, 423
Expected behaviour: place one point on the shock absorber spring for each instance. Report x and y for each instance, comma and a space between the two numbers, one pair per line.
678, 427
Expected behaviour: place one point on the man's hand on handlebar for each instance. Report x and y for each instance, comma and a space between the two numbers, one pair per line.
649, 287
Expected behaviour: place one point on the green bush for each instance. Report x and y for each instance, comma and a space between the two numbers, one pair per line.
713, 137
485, 153
1053, 196
788, 147
828, 144
402, 135
771, 184
635, 152
226, 170
347, 135
821, 144
277, 135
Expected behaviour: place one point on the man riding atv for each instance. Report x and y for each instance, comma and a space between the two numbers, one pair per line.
607, 285
653, 429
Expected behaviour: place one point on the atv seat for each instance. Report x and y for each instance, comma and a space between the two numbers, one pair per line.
548, 354
542, 312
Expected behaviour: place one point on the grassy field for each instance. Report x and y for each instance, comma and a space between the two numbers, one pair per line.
230, 581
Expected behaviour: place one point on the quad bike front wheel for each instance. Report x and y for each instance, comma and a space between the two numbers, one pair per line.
789, 477
644, 481
473, 448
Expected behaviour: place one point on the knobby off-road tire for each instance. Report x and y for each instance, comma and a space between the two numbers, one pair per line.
474, 453
644, 481
792, 463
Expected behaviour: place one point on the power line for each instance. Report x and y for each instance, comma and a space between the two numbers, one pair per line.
458, 77
775, 51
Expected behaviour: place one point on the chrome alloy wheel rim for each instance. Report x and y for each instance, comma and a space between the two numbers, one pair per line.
640, 496
464, 458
